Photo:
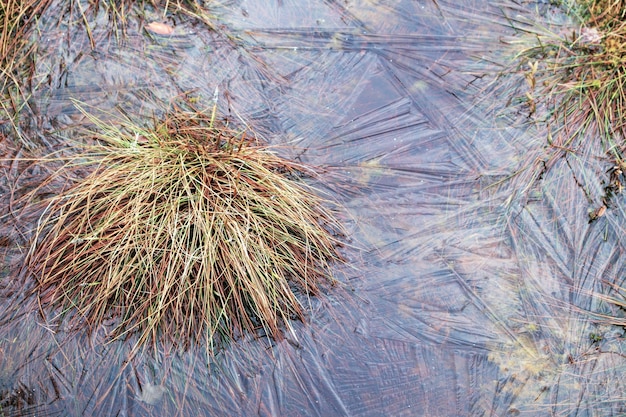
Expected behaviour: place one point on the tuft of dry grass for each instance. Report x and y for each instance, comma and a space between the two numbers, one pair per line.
190, 230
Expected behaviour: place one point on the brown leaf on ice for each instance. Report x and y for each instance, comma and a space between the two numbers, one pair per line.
160, 28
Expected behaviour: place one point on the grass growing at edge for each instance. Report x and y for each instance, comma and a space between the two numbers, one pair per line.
18, 41
576, 85
576, 80
580, 76
17, 19
187, 231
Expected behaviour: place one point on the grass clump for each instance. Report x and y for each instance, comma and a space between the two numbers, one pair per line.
186, 231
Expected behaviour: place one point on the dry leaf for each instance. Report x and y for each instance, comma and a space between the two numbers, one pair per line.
590, 36
597, 213
160, 28
151, 394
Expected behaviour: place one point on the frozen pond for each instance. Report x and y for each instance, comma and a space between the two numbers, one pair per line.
474, 279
